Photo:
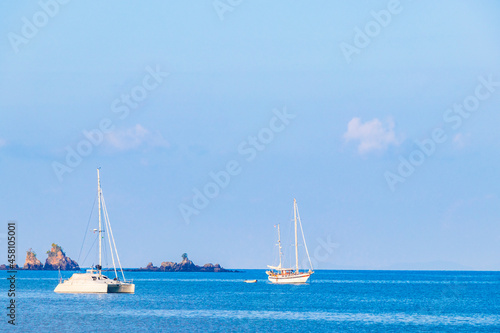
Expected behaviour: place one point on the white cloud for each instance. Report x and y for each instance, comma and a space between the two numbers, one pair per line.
460, 140
135, 137
371, 135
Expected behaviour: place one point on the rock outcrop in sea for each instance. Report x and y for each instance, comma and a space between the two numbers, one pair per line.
32, 262
185, 265
57, 260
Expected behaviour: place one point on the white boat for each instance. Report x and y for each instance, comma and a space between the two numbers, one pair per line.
250, 281
280, 275
93, 281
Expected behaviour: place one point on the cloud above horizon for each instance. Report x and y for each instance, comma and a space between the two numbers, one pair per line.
460, 140
135, 137
371, 135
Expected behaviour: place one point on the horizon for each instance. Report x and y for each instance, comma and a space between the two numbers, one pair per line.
208, 121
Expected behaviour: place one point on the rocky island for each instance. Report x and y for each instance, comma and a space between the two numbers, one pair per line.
185, 265
57, 260
32, 262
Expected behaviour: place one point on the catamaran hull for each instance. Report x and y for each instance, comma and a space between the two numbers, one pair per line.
98, 288
291, 279
122, 288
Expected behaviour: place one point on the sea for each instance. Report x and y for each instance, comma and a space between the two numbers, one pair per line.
333, 301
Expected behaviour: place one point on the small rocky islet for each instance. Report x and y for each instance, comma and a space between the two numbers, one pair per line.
57, 260
185, 265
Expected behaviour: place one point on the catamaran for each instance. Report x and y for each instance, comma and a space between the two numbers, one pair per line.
93, 281
280, 275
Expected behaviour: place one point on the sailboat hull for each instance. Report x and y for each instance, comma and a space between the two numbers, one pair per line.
289, 278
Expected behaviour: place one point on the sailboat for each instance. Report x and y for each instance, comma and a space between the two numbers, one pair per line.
280, 275
93, 281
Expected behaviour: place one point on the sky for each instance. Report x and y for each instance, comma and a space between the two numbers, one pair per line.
208, 118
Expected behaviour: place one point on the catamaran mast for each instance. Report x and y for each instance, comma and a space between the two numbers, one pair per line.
296, 243
100, 229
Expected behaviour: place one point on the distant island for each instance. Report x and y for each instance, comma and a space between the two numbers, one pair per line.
57, 260
185, 265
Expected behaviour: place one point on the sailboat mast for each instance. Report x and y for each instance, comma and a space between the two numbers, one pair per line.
279, 243
100, 229
296, 243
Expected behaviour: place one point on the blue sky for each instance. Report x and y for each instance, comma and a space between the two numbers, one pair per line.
176, 91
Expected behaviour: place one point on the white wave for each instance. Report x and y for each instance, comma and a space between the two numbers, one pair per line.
187, 280
364, 318
403, 282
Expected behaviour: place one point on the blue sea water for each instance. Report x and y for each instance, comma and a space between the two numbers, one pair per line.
333, 301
